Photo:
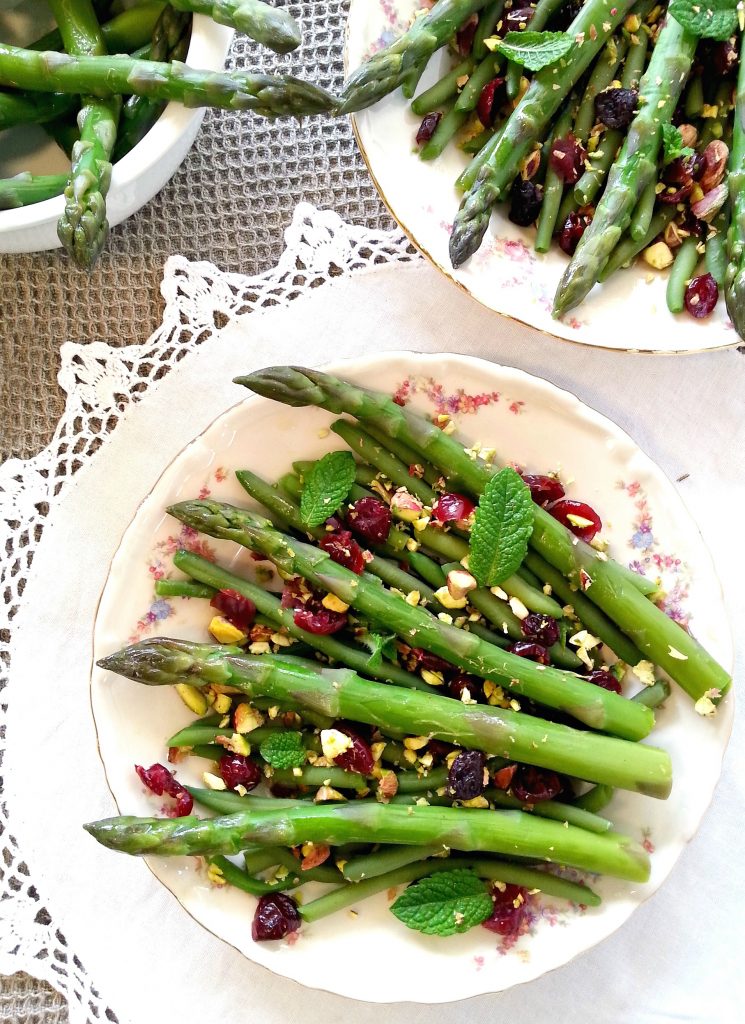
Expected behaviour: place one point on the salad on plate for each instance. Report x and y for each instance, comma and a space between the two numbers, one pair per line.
437, 677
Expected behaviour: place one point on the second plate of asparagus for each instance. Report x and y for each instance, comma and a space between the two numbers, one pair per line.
382, 694
562, 159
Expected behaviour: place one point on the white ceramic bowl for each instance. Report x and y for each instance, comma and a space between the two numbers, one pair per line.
139, 175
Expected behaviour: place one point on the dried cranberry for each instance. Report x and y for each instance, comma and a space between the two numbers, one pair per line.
371, 519
532, 785
503, 777
276, 916
359, 757
424, 659
237, 770
490, 99
616, 107
309, 612
724, 58
344, 549
566, 14
701, 296
572, 230
428, 127
461, 683
517, 20
508, 912
684, 168
466, 775
449, 508
672, 196
533, 651
439, 750
159, 780
525, 202
578, 511
543, 488
464, 35
567, 158
540, 628
237, 609
295, 593
602, 677
283, 792
320, 621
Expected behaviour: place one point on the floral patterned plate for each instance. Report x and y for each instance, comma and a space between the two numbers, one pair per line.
371, 956
627, 313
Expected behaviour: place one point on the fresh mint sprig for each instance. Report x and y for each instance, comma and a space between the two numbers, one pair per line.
532, 50
709, 19
446, 903
326, 486
283, 750
501, 529
672, 143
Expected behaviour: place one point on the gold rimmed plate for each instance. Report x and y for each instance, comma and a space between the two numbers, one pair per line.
537, 425
627, 314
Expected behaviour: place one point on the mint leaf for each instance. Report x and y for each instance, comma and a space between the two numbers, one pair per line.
380, 647
501, 529
534, 50
283, 750
672, 142
447, 903
326, 486
711, 19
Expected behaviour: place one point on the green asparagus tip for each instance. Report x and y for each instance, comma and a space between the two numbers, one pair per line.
290, 385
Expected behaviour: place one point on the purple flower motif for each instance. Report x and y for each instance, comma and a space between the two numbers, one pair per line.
643, 538
160, 610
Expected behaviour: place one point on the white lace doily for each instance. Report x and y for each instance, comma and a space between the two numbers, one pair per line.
101, 383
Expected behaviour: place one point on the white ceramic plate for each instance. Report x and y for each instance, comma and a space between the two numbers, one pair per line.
627, 313
372, 956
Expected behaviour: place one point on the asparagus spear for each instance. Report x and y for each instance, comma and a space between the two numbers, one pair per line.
602, 159
267, 95
269, 604
125, 32
628, 247
83, 227
509, 832
589, 614
170, 41
636, 165
734, 281
498, 871
387, 69
32, 108
341, 694
613, 588
596, 21
499, 613
274, 28
24, 189
556, 688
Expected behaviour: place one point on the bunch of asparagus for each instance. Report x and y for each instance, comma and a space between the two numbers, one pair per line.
621, 140
384, 639
77, 94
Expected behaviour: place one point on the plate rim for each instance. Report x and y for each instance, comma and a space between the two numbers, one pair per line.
337, 367
449, 274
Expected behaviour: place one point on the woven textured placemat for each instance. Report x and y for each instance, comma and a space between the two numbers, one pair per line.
229, 203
